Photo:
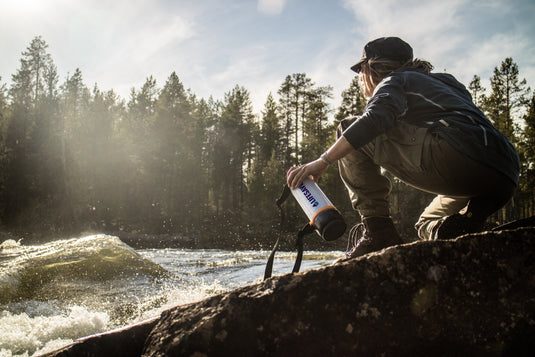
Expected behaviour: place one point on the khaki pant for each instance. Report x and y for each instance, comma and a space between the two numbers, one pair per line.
425, 161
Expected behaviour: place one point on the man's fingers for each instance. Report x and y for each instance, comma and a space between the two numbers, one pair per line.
291, 174
299, 177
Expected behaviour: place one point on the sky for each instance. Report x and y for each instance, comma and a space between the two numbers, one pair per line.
214, 45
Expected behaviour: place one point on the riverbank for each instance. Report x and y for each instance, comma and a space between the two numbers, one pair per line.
246, 240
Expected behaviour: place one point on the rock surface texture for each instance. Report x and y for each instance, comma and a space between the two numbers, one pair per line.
474, 295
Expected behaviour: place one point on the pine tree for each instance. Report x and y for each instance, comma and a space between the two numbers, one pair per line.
232, 154
477, 91
103, 163
3, 97
3, 113
270, 132
266, 175
503, 105
29, 81
74, 101
29, 131
527, 159
202, 119
46, 156
317, 135
353, 101
175, 169
3, 153
141, 108
528, 142
508, 96
293, 105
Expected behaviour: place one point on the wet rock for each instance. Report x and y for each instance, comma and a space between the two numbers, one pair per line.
474, 295
128, 341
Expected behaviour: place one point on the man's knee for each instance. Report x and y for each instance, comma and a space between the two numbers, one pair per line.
434, 214
426, 228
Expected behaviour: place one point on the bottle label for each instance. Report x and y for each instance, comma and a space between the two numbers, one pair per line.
308, 195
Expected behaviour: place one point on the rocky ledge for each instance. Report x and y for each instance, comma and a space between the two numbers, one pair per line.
474, 295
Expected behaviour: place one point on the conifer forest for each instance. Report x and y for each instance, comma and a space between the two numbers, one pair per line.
80, 159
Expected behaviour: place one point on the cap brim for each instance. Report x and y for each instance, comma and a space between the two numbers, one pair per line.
356, 67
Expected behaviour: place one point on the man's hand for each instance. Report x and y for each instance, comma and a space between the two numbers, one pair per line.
314, 169
297, 174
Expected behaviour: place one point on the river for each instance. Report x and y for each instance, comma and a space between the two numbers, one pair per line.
55, 293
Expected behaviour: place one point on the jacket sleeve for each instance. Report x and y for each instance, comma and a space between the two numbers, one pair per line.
387, 105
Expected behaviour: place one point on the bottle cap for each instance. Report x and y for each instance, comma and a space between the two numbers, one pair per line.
330, 224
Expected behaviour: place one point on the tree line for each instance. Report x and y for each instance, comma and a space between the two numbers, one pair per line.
76, 159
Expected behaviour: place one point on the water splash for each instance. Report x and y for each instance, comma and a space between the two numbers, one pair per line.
55, 270
27, 333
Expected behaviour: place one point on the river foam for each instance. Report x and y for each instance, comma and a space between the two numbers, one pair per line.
42, 328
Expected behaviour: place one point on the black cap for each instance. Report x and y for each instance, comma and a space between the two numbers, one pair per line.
392, 48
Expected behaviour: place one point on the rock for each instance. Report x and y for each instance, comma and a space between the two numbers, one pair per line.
474, 295
127, 341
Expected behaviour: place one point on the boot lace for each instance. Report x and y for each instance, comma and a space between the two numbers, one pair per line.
355, 237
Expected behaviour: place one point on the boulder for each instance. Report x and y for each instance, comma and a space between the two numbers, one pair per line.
474, 295
128, 341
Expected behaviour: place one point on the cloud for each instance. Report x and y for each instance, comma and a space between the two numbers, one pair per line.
489, 53
271, 7
141, 45
460, 36
130, 41
428, 26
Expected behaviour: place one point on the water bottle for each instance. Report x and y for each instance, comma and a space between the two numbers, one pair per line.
323, 216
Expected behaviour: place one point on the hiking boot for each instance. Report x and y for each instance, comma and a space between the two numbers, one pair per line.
457, 225
373, 234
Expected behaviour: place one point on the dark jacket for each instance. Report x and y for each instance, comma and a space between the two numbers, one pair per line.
439, 102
